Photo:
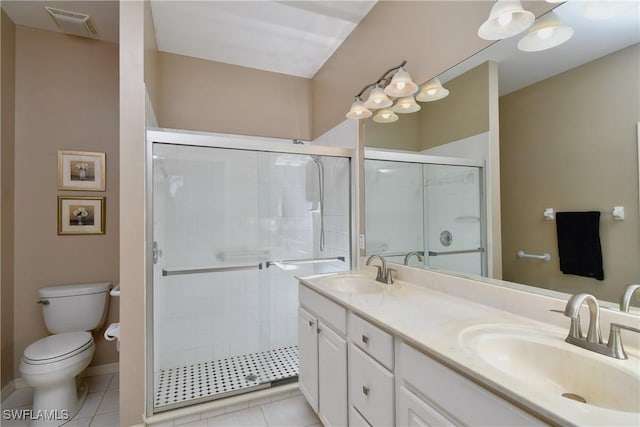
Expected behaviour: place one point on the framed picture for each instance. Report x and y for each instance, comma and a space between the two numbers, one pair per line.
81, 170
81, 215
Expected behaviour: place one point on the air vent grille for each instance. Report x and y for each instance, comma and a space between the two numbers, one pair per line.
78, 24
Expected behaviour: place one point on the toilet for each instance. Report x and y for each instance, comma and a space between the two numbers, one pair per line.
51, 364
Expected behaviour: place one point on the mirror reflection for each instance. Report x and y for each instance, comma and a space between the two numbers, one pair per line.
566, 134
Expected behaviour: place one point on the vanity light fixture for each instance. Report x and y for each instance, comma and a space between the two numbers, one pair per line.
385, 115
405, 105
394, 83
547, 32
432, 91
507, 18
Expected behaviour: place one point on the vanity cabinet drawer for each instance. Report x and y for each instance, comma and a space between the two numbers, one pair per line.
373, 340
457, 398
330, 312
356, 420
370, 388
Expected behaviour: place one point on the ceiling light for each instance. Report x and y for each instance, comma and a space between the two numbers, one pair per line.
432, 91
377, 99
385, 115
406, 105
547, 32
401, 84
358, 110
507, 18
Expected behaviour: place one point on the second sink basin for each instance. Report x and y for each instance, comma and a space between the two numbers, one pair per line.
545, 363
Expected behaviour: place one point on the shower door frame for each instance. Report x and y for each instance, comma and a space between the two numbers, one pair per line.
428, 159
237, 142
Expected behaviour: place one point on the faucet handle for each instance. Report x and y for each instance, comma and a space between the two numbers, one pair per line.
615, 340
390, 272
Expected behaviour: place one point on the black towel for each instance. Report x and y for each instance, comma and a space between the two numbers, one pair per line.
579, 243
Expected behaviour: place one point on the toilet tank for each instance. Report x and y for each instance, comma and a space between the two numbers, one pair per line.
74, 308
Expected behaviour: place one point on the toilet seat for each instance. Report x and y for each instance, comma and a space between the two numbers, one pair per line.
56, 348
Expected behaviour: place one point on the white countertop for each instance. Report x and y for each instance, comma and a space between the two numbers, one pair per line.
433, 321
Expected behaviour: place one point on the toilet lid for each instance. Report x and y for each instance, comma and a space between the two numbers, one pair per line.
57, 347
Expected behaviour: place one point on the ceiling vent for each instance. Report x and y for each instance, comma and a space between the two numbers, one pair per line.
74, 23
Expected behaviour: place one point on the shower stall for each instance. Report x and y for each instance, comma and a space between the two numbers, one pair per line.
233, 220
441, 215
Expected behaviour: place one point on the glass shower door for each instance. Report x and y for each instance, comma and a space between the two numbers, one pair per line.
453, 218
231, 229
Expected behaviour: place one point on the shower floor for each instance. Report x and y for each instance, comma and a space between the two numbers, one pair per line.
204, 381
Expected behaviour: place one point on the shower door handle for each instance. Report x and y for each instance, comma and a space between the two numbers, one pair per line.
465, 251
166, 272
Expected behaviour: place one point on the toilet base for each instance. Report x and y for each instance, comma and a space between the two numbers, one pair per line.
55, 406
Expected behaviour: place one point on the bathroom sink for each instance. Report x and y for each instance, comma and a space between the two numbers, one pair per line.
543, 362
353, 284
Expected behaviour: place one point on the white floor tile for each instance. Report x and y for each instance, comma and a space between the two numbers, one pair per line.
19, 398
115, 382
212, 413
82, 422
199, 423
110, 402
90, 406
292, 412
186, 420
15, 423
112, 419
98, 382
251, 417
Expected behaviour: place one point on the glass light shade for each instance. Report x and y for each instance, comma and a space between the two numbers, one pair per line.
377, 99
401, 85
385, 116
546, 33
358, 111
406, 105
432, 91
507, 18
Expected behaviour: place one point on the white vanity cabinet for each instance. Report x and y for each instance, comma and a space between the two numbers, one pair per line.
322, 345
430, 394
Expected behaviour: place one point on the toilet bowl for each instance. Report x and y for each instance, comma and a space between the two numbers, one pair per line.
51, 364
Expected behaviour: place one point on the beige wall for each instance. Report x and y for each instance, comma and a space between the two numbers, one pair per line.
202, 95
463, 113
66, 98
401, 135
435, 36
569, 143
132, 199
7, 152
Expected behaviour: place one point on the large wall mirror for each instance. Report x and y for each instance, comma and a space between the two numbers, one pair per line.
566, 131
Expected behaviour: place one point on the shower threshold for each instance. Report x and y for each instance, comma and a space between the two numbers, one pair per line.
206, 381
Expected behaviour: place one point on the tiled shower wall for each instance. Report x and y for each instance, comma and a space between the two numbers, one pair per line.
220, 208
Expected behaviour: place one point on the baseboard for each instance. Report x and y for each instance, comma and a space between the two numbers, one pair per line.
91, 371
7, 390
109, 368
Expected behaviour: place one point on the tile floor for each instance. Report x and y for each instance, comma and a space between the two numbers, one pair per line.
101, 409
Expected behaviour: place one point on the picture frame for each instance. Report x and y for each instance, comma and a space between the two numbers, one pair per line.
81, 215
81, 170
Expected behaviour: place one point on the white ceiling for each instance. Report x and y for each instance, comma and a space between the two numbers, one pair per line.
297, 37
289, 37
33, 14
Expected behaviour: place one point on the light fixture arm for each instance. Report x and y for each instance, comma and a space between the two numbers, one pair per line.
381, 79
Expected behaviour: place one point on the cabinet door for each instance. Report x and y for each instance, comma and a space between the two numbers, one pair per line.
308, 355
415, 412
332, 374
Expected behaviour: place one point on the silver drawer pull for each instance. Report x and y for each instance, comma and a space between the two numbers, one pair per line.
43, 301
365, 339
365, 390
319, 330
310, 323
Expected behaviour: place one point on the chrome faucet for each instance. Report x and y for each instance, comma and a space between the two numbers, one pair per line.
410, 254
593, 340
626, 297
384, 273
